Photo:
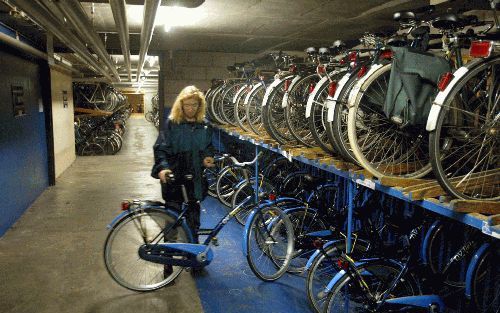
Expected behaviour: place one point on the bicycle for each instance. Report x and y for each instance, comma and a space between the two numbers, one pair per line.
150, 243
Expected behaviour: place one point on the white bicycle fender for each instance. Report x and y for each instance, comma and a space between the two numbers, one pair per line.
254, 89
357, 87
239, 92
269, 90
284, 101
311, 97
332, 101
438, 102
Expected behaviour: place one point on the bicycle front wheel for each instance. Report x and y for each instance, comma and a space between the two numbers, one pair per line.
122, 245
269, 243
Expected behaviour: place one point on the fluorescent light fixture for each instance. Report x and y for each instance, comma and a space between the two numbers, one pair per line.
171, 17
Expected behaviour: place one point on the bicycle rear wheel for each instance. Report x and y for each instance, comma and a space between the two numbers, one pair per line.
464, 144
324, 268
382, 147
245, 190
123, 242
346, 296
269, 242
485, 282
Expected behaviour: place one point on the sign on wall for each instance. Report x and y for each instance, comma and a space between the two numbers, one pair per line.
18, 106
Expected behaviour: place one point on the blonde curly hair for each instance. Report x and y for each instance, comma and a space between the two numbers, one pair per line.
189, 92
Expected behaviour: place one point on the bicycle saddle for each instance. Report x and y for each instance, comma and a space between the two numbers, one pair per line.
324, 51
231, 68
452, 21
404, 17
338, 44
311, 50
397, 41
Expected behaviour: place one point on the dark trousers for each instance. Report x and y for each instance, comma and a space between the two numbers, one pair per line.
192, 215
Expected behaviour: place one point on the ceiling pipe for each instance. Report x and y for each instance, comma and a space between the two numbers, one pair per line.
43, 18
150, 9
16, 43
77, 17
120, 16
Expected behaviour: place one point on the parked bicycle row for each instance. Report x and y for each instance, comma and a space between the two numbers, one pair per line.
98, 96
153, 116
393, 106
395, 262
101, 135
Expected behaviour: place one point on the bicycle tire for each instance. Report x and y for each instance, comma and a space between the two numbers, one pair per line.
248, 189
123, 263
323, 268
379, 145
380, 275
485, 282
227, 180
266, 228
451, 142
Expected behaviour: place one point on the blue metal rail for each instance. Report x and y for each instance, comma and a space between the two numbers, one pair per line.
475, 220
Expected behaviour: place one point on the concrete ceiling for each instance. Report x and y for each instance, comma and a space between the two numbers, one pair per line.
240, 26
256, 26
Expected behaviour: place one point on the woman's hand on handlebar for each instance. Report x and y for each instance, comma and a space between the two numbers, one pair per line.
163, 175
208, 162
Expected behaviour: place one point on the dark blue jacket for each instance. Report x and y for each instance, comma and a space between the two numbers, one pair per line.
182, 148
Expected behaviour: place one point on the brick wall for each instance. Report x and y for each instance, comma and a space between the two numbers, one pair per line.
183, 68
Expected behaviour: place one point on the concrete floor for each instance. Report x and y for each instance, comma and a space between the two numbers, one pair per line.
51, 259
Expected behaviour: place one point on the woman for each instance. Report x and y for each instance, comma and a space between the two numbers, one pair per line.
185, 147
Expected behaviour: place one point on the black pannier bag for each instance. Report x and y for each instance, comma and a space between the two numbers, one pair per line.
413, 85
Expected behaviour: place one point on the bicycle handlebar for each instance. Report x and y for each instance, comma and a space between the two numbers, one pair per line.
242, 164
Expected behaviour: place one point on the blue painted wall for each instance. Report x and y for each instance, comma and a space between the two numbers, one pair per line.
23, 147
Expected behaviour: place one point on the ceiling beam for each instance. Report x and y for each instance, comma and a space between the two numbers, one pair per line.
179, 3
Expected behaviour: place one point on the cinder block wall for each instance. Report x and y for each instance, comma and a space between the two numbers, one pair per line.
185, 68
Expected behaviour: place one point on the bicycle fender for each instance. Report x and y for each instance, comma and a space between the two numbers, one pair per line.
358, 89
318, 251
334, 281
437, 104
284, 101
254, 90
332, 101
117, 218
239, 92
424, 301
471, 269
312, 95
430, 231
270, 89
247, 230
293, 210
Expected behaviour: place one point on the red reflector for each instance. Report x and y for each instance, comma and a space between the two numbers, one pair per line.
287, 84
311, 88
321, 69
332, 87
362, 71
386, 54
342, 264
444, 80
480, 49
272, 196
353, 56
125, 205
342, 61
293, 68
